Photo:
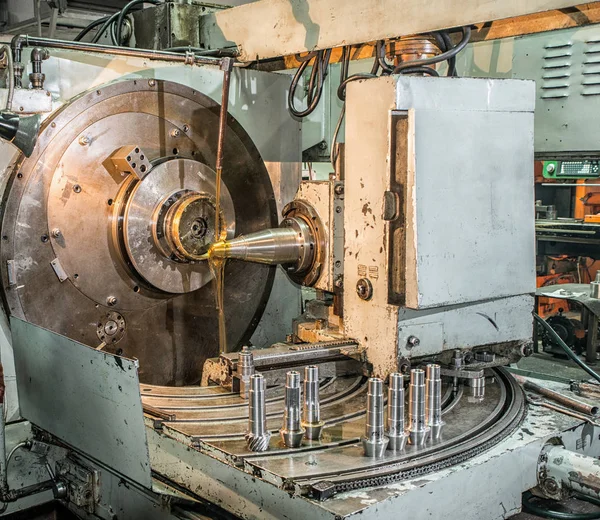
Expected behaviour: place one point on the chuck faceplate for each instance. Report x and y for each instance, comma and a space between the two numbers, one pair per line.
94, 226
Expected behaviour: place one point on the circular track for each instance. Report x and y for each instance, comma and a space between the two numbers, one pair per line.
58, 215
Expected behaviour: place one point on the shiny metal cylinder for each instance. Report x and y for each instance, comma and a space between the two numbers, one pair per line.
258, 436
311, 410
395, 413
595, 287
477, 385
374, 442
245, 370
433, 400
417, 426
292, 245
292, 432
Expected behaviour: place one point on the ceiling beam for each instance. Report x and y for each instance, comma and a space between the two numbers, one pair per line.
272, 28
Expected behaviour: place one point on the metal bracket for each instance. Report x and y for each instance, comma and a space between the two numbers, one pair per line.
131, 159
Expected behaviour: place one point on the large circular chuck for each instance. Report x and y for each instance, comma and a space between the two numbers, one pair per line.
104, 224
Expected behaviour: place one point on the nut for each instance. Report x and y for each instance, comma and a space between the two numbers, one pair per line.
412, 342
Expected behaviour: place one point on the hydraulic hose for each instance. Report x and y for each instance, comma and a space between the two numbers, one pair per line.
560, 515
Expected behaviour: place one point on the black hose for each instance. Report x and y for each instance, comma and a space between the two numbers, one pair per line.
440, 57
91, 26
315, 84
421, 70
123, 14
561, 515
106, 25
565, 347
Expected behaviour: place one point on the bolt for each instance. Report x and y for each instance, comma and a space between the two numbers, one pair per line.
412, 341
339, 189
339, 282
151, 83
186, 128
111, 301
551, 486
551, 168
364, 289
56, 232
175, 132
77, 188
84, 139
527, 350
338, 209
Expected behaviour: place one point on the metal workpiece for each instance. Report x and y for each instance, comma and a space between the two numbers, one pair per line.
433, 400
292, 432
418, 432
292, 245
245, 370
477, 385
311, 409
395, 413
595, 287
375, 441
561, 471
257, 436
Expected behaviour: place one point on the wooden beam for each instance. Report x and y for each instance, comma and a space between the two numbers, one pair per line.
578, 16
272, 28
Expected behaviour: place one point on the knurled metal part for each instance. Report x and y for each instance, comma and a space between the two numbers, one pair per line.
484, 356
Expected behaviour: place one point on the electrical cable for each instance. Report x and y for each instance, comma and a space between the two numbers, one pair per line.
561, 515
565, 347
104, 27
315, 83
91, 26
123, 12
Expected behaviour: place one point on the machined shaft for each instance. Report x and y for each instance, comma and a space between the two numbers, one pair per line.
433, 400
395, 417
417, 426
374, 442
245, 370
292, 245
292, 431
258, 436
311, 410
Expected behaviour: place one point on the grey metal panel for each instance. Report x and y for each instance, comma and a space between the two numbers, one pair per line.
88, 398
456, 161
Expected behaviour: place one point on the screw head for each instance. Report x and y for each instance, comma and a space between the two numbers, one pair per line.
551, 168
151, 82
364, 289
111, 301
550, 486
175, 132
56, 232
84, 140
77, 188
412, 341
339, 189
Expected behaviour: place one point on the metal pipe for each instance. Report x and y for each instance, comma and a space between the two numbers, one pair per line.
395, 419
311, 409
433, 400
573, 404
258, 436
418, 431
23, 40
374, 442
292, 431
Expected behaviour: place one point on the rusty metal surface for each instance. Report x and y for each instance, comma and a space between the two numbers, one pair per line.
171, 335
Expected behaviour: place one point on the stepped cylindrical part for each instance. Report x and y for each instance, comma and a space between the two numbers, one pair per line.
245, 370
477, 385
395, 417
417, 426
374, 442
292, 245
311, 410
258, 436
433, 400
595, 287
292, 432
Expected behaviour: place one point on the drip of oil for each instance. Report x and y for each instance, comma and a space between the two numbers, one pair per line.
217, 268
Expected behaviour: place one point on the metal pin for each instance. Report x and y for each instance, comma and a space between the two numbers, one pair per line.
374, 442
292, 432
477, 385
395, 417
311, 410
258, 436
417, 427
245, 370
433, 401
